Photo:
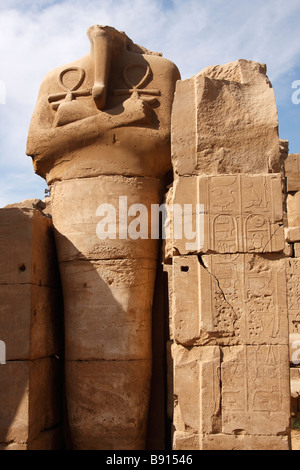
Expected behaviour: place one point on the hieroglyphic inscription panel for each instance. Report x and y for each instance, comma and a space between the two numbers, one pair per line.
293, 302
293, 294
243, 213
233, 299
255, 389
248, 295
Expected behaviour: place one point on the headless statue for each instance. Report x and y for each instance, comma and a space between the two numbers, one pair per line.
100, 134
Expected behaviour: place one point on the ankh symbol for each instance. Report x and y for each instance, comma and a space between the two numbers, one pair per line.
137, 88
71, 93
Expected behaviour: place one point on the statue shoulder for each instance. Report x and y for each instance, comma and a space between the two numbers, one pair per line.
165, 65
55, 79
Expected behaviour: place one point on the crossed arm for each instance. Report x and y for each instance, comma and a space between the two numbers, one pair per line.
45, 141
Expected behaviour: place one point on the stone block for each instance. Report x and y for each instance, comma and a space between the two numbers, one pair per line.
241, 214
297, 250
30, 396
77, 236
292, 234
295, 382
107, 303
119, 391
230, 299
244, 442
30, 321
293, 294
27, 248
190, 441
50, 439
218, 115
292, 172
197, 389
293, 209
255, 390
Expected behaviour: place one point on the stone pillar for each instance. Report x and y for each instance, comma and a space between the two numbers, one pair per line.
30, 327
229, 315
292, 173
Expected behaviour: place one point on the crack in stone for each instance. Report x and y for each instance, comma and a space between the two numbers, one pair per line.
269, 241
236, 316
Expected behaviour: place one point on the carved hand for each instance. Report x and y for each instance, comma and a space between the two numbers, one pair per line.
136, 110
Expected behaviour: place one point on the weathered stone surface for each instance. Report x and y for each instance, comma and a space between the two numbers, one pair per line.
288, 250
30, 326
197, 389
241, 391
30, 396
242, 213
77, 235
293, 302
292, 234
293, 209
185, 441
107, 403
255, 390
50, 439
293, 294
27, 249
292, 172
30, 295
295, 383
297, 250
108, 306
218, 115
30, 321
232, 299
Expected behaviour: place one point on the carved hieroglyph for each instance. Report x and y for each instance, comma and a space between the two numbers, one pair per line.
293, 298
242, 213
233, 299
221, 393
100, 130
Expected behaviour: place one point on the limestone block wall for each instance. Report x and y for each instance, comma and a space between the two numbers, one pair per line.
30, 328
292, 172
229, 320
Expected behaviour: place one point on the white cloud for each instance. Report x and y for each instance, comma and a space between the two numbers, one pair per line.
36, 36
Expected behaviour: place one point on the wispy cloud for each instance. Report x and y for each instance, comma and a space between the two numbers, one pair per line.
38, 35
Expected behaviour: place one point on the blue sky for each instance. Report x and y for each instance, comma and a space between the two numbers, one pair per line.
38, 35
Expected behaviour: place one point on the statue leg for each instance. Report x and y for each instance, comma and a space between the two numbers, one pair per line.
108, 291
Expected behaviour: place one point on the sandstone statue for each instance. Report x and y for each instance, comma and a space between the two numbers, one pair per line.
101, 131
